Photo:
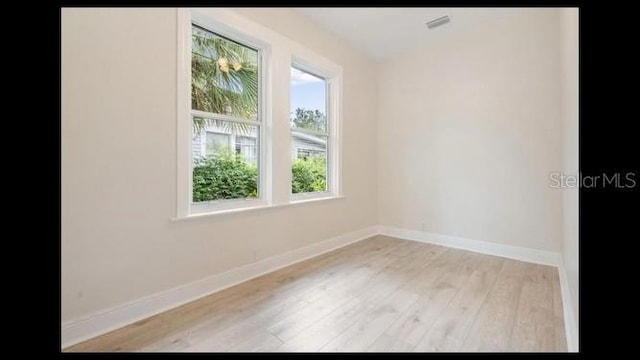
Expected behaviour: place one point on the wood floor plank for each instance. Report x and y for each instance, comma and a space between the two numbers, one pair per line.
534, 329
380, 294
373, 323
383, 284
329, 297
440, 281
451, 328
296, 323
213, 336
361, 334
494, 324
320, 333
399, 273
235, 321
351, 276
261, 342
389, 343
230, 326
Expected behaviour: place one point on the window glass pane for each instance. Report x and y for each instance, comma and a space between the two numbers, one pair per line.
216, 141
225, 161
224, 75
308, 101
309, 163
246, 147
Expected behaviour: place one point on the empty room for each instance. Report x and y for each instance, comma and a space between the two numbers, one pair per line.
319, 179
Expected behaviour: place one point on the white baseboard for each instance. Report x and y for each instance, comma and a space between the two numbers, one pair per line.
570, 323
508, 251
96, 324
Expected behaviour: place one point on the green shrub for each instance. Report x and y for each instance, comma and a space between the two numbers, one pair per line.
309, 175
224, 176
227, 176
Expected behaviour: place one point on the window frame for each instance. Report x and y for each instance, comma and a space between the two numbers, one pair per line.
332, 78
186, 207
276, 54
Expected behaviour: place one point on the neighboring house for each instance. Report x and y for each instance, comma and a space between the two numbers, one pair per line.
245, 143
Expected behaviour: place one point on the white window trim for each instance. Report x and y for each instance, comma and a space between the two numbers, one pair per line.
277, 54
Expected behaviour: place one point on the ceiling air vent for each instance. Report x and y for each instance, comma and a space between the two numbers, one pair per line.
438, 21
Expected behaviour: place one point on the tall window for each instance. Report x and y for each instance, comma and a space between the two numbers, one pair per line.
310, 133
225, 118
230, 101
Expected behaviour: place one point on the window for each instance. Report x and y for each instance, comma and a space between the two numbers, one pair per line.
237, 147
225, 109
309, 132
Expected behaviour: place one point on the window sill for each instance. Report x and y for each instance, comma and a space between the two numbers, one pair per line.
310, 197
250, 209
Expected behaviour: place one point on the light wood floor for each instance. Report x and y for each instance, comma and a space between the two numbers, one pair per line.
380, 294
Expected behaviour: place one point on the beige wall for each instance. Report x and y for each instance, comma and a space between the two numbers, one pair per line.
469, 129
570, 149
119, 163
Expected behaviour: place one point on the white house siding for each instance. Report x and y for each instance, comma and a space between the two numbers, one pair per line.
196, 146
299, 142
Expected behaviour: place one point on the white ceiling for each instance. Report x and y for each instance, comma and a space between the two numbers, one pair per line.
385, 32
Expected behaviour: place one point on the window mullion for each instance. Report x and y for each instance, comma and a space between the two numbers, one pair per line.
213, 116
